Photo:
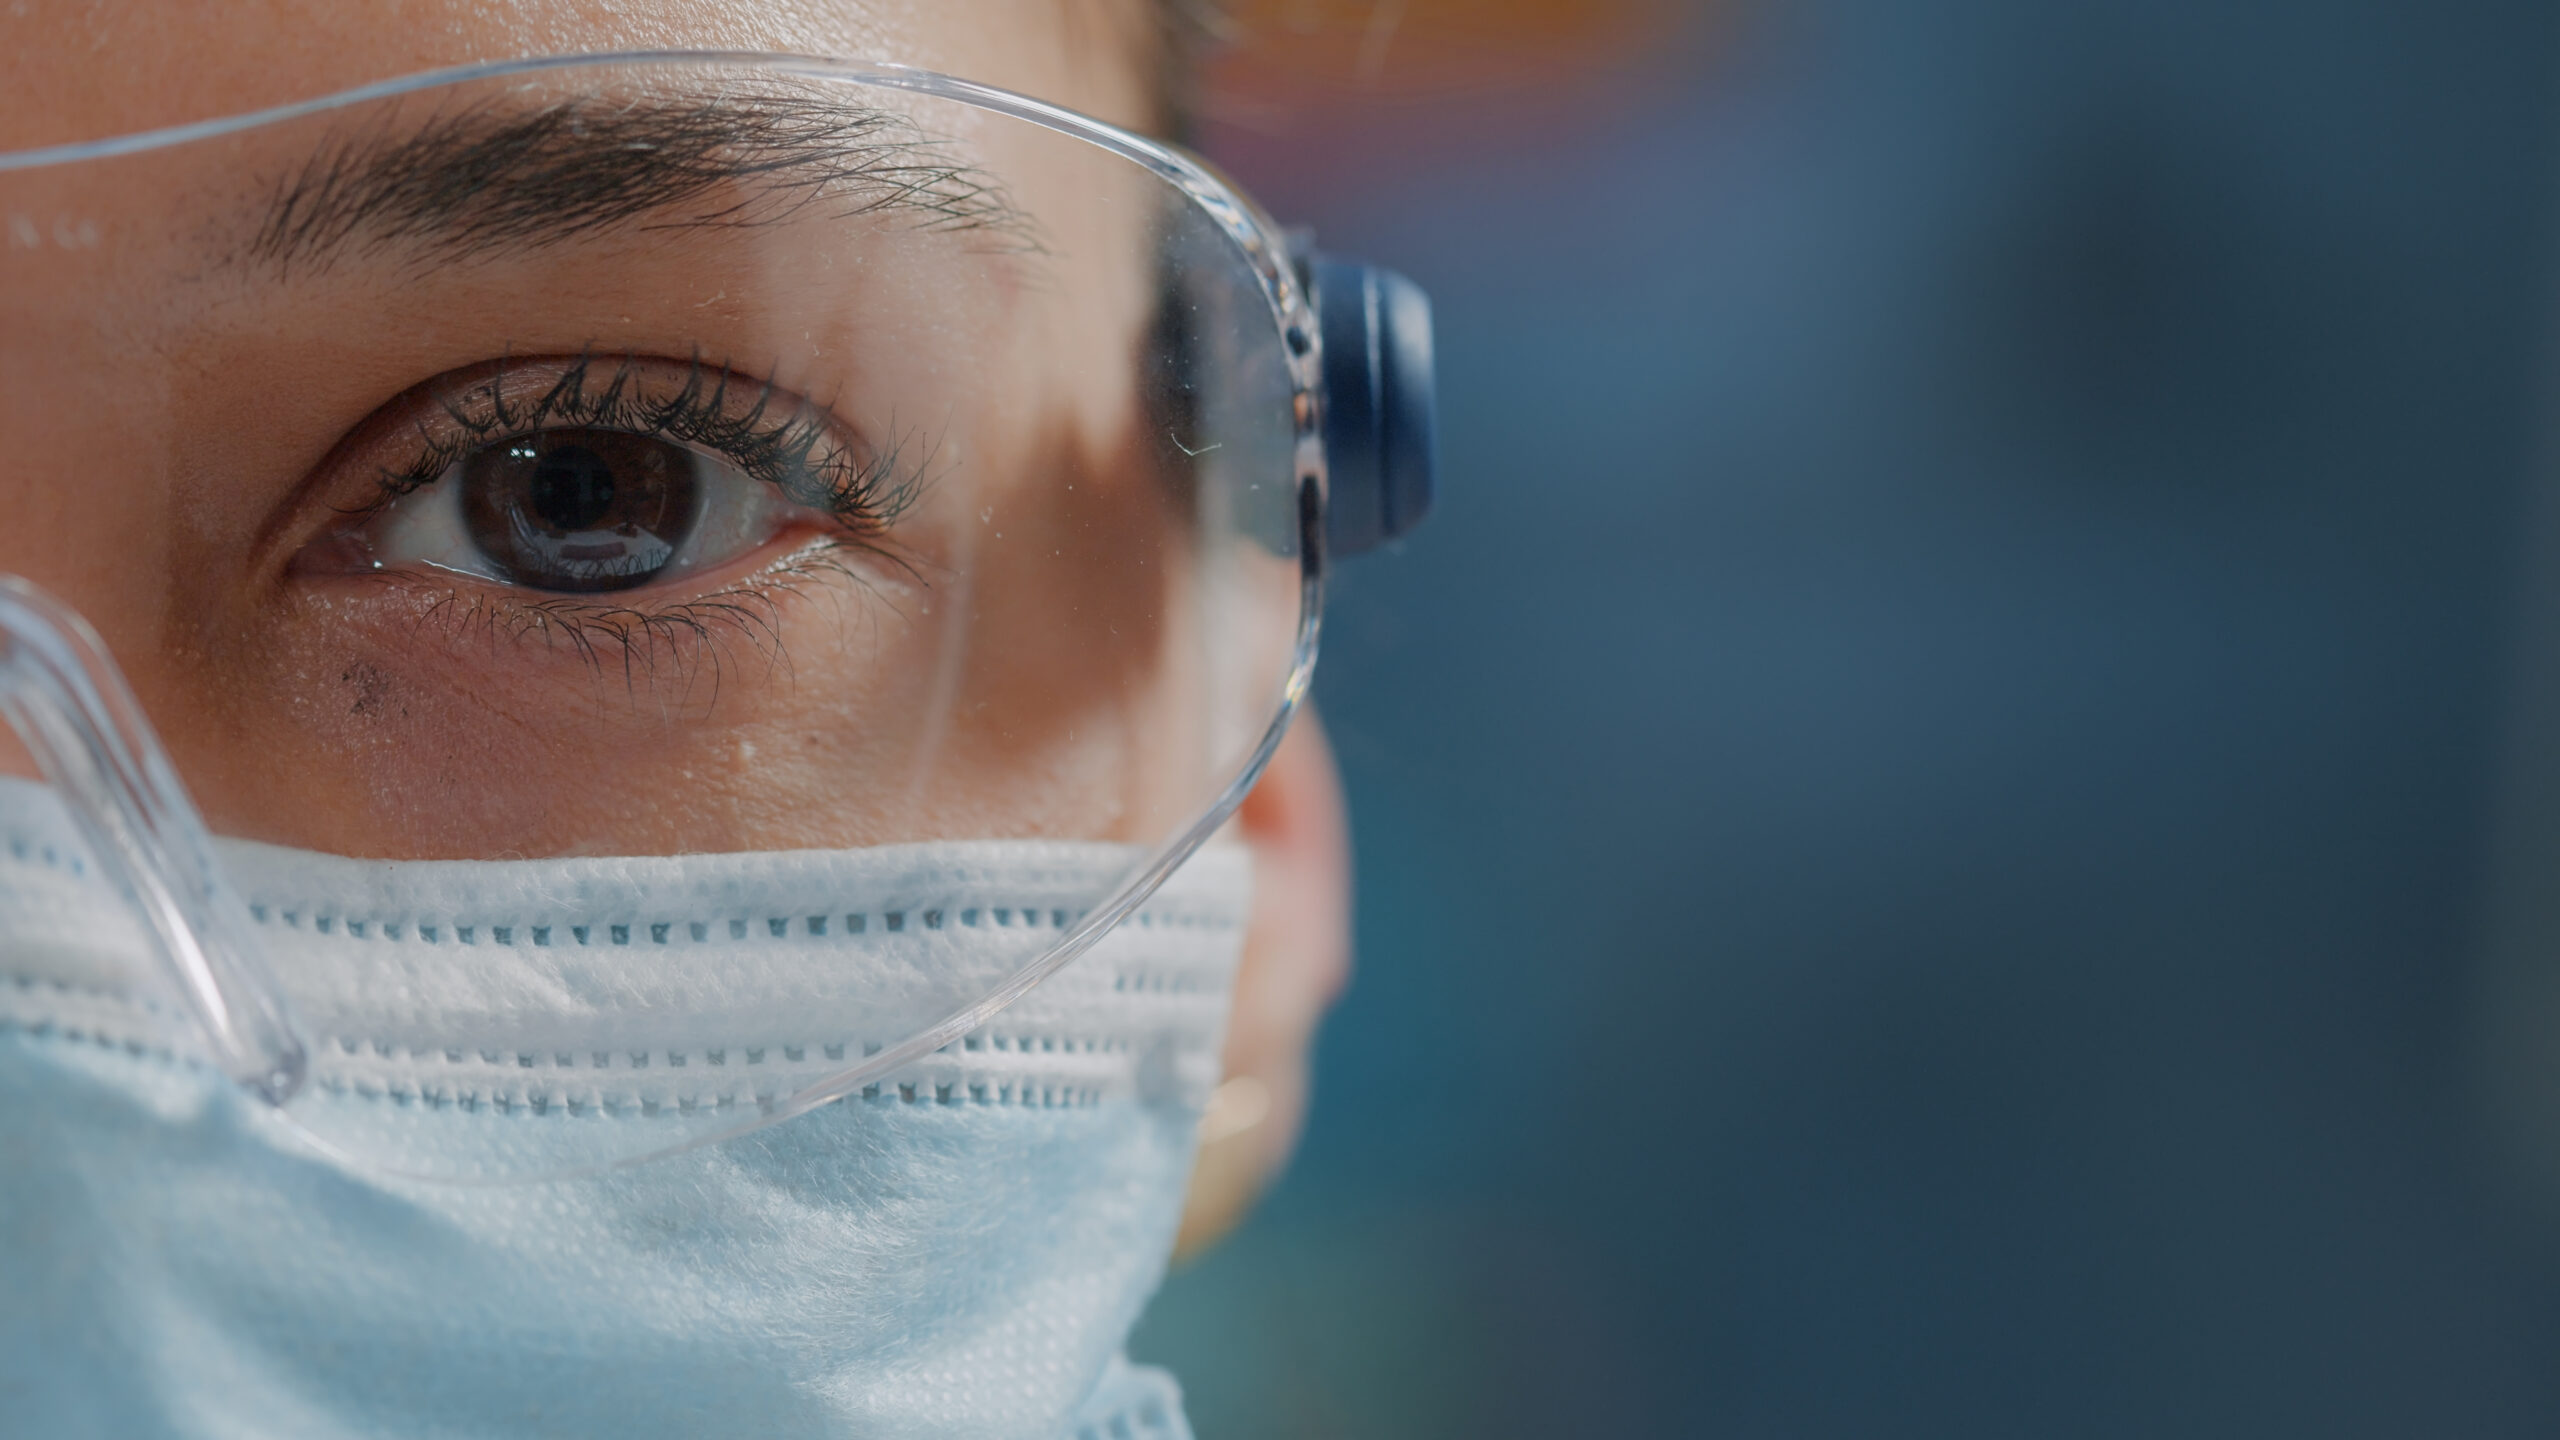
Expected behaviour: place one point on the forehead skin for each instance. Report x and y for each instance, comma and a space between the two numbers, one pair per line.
80, 69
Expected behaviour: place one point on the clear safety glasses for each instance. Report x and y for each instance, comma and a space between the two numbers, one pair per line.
653, 456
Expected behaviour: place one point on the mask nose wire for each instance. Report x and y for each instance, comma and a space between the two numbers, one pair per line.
70, 705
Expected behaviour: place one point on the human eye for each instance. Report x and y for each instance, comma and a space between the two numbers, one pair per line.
576, 477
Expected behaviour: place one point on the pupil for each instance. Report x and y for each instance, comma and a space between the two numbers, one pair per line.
579, 511
572, 488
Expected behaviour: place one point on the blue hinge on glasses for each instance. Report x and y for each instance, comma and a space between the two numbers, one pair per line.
1380, 432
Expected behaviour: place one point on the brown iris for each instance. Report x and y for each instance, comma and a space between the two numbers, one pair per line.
581, 510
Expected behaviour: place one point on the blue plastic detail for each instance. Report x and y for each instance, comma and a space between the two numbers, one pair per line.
1381, 440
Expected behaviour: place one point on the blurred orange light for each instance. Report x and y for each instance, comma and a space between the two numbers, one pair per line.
1422, 49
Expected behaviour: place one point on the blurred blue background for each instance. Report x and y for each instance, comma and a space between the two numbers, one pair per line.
1926, 804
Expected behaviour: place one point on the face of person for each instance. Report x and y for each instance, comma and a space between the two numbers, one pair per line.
799, 492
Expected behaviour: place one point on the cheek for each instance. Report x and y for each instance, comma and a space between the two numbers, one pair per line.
1046, 695
114, 496
404, 719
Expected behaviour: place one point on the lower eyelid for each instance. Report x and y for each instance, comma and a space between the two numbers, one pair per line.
787, 539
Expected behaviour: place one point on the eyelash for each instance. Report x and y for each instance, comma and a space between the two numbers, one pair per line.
795, 453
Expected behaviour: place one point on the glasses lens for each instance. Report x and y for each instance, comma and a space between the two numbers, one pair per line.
578, 473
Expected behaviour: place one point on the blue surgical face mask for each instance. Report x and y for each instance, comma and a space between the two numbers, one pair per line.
958, 1250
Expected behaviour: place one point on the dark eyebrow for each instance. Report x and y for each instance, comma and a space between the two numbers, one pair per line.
483, 182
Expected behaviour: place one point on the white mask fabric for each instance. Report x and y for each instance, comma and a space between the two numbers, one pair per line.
957, 1251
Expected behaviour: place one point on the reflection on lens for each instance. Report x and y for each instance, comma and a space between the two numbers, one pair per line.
580, 510
939, 578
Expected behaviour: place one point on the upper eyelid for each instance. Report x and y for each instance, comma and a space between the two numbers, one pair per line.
483, 411
767, 431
